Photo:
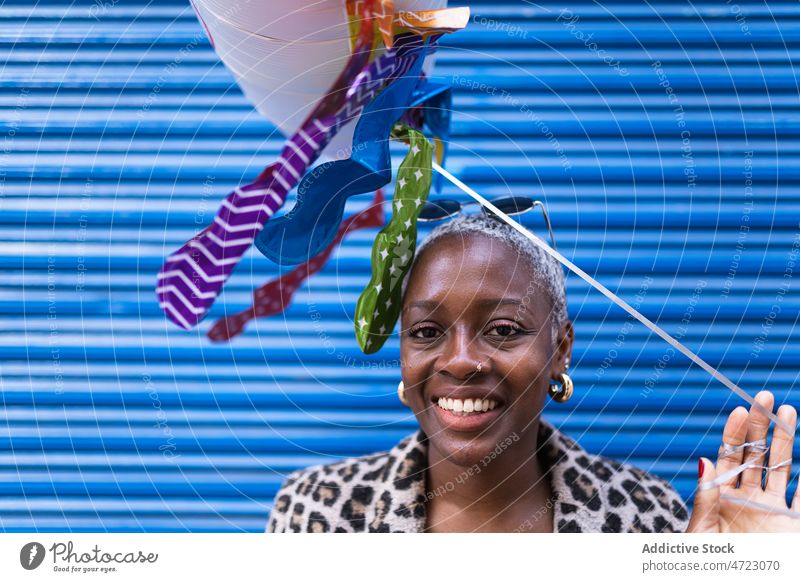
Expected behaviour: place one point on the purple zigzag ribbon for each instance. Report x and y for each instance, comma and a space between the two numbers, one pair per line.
192, 277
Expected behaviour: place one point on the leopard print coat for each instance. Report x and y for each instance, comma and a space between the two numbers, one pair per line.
385, 492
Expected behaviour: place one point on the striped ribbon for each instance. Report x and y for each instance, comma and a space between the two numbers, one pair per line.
192, 277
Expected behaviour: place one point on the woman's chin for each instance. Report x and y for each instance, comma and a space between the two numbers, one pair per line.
476, 452
468, 448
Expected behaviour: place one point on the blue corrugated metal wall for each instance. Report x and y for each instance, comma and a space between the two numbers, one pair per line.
122, 132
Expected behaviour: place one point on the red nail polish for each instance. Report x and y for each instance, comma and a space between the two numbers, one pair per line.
700, 467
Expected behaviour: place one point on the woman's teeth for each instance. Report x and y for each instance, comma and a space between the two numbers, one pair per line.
468, 406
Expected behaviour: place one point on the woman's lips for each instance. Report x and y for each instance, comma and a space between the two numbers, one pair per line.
468, 414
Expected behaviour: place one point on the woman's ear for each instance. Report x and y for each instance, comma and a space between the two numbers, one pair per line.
562, 355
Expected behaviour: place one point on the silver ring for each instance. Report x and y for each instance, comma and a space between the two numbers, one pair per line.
759, 446
726, 450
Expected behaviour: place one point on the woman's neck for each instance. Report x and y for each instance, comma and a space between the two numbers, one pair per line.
510, 492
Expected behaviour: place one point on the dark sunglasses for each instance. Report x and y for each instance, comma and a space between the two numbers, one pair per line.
443, 209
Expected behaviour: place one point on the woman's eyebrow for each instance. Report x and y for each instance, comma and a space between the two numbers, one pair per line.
424, 303
490, 302
499, 301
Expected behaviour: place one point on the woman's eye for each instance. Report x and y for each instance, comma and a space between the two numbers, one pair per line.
504, 330
425, 333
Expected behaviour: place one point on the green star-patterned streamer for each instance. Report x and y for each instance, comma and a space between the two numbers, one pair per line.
378, 306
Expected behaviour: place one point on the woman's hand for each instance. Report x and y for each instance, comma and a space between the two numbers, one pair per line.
713, 513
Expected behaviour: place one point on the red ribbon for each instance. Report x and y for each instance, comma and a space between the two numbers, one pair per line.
275, 296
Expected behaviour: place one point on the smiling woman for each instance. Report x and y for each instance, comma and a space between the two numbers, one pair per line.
485, 337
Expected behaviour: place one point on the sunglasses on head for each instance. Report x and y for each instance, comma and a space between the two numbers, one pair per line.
443, 209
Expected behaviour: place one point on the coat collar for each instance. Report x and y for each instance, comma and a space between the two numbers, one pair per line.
400, 502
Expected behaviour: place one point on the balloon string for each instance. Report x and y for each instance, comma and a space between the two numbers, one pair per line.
758, 447
736, 471
621, 303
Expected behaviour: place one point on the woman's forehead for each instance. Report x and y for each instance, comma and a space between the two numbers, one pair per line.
480, 267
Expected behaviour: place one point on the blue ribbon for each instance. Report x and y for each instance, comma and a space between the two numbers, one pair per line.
322, 194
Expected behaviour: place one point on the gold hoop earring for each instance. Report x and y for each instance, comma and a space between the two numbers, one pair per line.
401, 393
565, 392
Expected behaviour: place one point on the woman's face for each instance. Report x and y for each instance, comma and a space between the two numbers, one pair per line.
472, 300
